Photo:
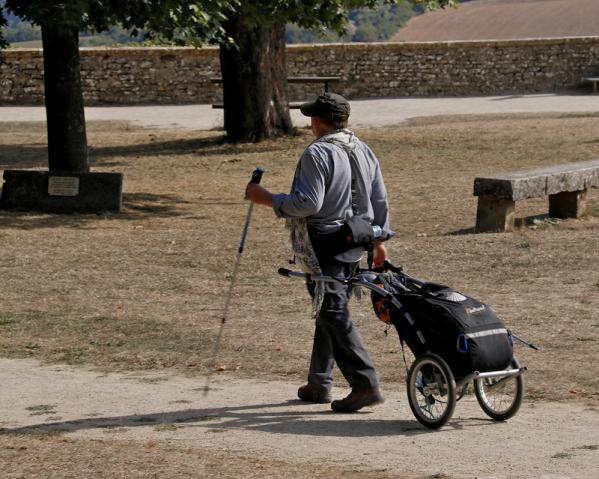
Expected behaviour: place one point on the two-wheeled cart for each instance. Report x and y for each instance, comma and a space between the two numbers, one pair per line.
446, 363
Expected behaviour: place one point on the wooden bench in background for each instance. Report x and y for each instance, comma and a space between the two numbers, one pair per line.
324, 80
594, 81
591, 75
565, 185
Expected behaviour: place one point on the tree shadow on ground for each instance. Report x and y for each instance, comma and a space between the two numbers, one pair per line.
23, 156
250, 417
36, 156
204, 147
136, 206
535, 220
151, 205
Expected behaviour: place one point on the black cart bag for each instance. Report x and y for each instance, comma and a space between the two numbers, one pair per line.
431, 317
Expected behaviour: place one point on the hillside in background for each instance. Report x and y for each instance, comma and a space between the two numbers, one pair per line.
364, 26
505, 20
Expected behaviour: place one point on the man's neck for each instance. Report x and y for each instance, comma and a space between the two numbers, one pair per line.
324, 131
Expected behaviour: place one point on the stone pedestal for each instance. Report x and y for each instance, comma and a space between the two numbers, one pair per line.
61, 192
494, 215
569, 204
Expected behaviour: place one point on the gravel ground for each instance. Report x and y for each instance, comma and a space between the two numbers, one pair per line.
365, 113
545, 440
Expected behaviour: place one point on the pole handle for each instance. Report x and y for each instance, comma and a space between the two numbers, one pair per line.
257, 175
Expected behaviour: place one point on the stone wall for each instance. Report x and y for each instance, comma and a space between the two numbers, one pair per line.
374, 70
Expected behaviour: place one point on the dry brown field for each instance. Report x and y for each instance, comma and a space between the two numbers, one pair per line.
145, 288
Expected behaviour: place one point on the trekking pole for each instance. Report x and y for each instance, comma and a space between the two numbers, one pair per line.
530, 345
256, 177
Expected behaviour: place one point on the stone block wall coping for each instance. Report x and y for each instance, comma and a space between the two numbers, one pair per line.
192, 51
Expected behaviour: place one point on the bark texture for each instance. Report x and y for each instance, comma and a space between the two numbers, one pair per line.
254, 76
67, 140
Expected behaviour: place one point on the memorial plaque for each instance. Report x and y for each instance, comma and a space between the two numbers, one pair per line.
63, 185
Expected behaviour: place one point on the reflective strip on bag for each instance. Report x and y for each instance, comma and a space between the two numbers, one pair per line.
488, 332
409, 318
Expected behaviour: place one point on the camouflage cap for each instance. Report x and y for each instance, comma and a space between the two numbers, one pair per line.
327, 105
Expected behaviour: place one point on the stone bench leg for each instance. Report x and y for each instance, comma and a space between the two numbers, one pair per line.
569, 204
494, 215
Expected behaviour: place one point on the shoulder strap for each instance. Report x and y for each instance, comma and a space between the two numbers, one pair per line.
350, 156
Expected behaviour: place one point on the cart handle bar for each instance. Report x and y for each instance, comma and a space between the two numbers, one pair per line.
357, 280
504, 375
311, 277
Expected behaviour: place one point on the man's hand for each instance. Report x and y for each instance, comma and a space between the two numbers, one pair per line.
258, 194
379, 252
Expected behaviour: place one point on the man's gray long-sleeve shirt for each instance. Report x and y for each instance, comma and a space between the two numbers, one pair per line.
321, 189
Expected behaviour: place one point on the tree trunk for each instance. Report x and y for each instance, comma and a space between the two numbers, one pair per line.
67, 141
254, 76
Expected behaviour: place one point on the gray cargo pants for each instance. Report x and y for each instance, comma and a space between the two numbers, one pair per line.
335, 338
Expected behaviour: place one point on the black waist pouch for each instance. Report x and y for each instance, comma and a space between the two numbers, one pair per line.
355, 232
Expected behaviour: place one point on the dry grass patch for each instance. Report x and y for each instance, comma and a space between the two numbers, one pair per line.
59, 457
145, 288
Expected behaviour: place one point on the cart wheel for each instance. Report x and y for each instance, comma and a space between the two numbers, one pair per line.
431, 390
500, 398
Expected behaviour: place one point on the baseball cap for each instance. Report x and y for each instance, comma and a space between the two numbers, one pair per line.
327, 105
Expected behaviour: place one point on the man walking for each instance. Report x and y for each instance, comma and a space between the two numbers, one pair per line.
337, 178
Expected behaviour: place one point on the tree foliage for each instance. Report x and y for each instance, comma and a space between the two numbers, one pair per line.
200, 21
3, 24
166, 18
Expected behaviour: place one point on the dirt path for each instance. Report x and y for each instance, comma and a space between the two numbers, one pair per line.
365, 113
545, 440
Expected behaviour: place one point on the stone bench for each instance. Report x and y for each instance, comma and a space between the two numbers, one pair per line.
565, 185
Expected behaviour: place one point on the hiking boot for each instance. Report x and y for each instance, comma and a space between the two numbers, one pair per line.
358, 399
314, 393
